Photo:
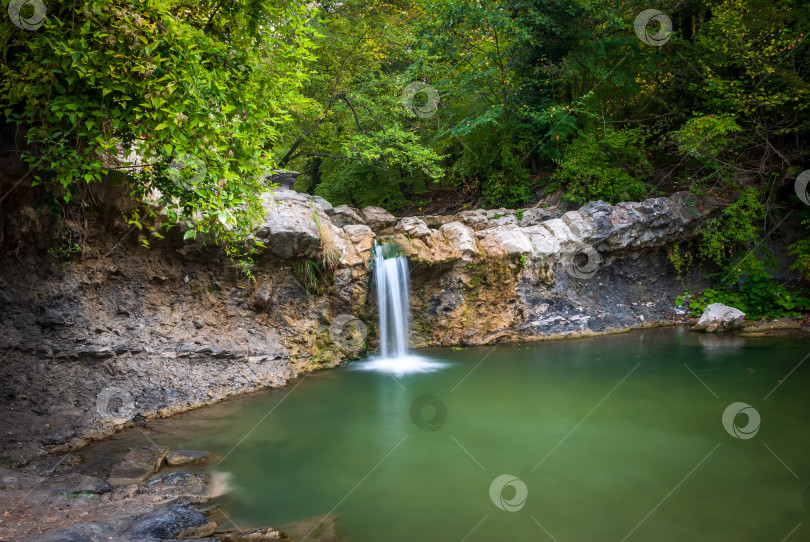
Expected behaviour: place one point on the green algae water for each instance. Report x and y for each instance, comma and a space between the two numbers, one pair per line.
661, 435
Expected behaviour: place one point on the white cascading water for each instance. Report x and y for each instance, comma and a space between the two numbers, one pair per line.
393, 300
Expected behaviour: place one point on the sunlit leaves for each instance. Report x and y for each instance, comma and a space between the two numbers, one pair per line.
104, 80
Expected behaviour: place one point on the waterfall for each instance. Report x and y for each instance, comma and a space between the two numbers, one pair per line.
393, 300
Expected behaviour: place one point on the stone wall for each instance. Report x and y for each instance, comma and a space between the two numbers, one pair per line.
124, 333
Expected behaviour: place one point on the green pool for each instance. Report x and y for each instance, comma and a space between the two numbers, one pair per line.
611, 438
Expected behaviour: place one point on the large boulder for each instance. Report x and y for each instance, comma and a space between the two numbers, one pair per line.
501, 217
283, 178
337, 243
436, 221
718, 317
580, 224
361, 235
325, 205
291, 225
504, 241
413, 227
461, 238
544, 244
476, 219
343, 215
560, 230
377, 218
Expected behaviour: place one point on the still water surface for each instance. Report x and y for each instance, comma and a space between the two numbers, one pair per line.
610, 438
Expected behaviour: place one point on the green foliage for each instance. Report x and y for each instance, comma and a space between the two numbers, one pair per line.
190, 92
801, 250
358, 184
680, 259
606, 164
210, 95
708, 140
311, 275
732, 240
706, 136
65, 249
758, 296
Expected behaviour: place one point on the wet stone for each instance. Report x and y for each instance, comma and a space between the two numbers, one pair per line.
138, 465
185, 457
185, 482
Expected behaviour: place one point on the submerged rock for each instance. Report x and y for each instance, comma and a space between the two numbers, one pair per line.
138, 465
184, 457
321, 528
255, 535
718, 317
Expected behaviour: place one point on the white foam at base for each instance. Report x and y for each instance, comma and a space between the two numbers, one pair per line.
400, 366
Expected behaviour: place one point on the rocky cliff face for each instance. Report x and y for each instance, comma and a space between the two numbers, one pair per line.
505, 276
125, 334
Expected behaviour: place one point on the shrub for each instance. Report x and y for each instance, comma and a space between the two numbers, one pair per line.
606, 164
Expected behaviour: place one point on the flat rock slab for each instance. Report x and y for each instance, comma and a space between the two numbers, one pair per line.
11, 480
138, 465
147, 456
74, 483
184, 457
